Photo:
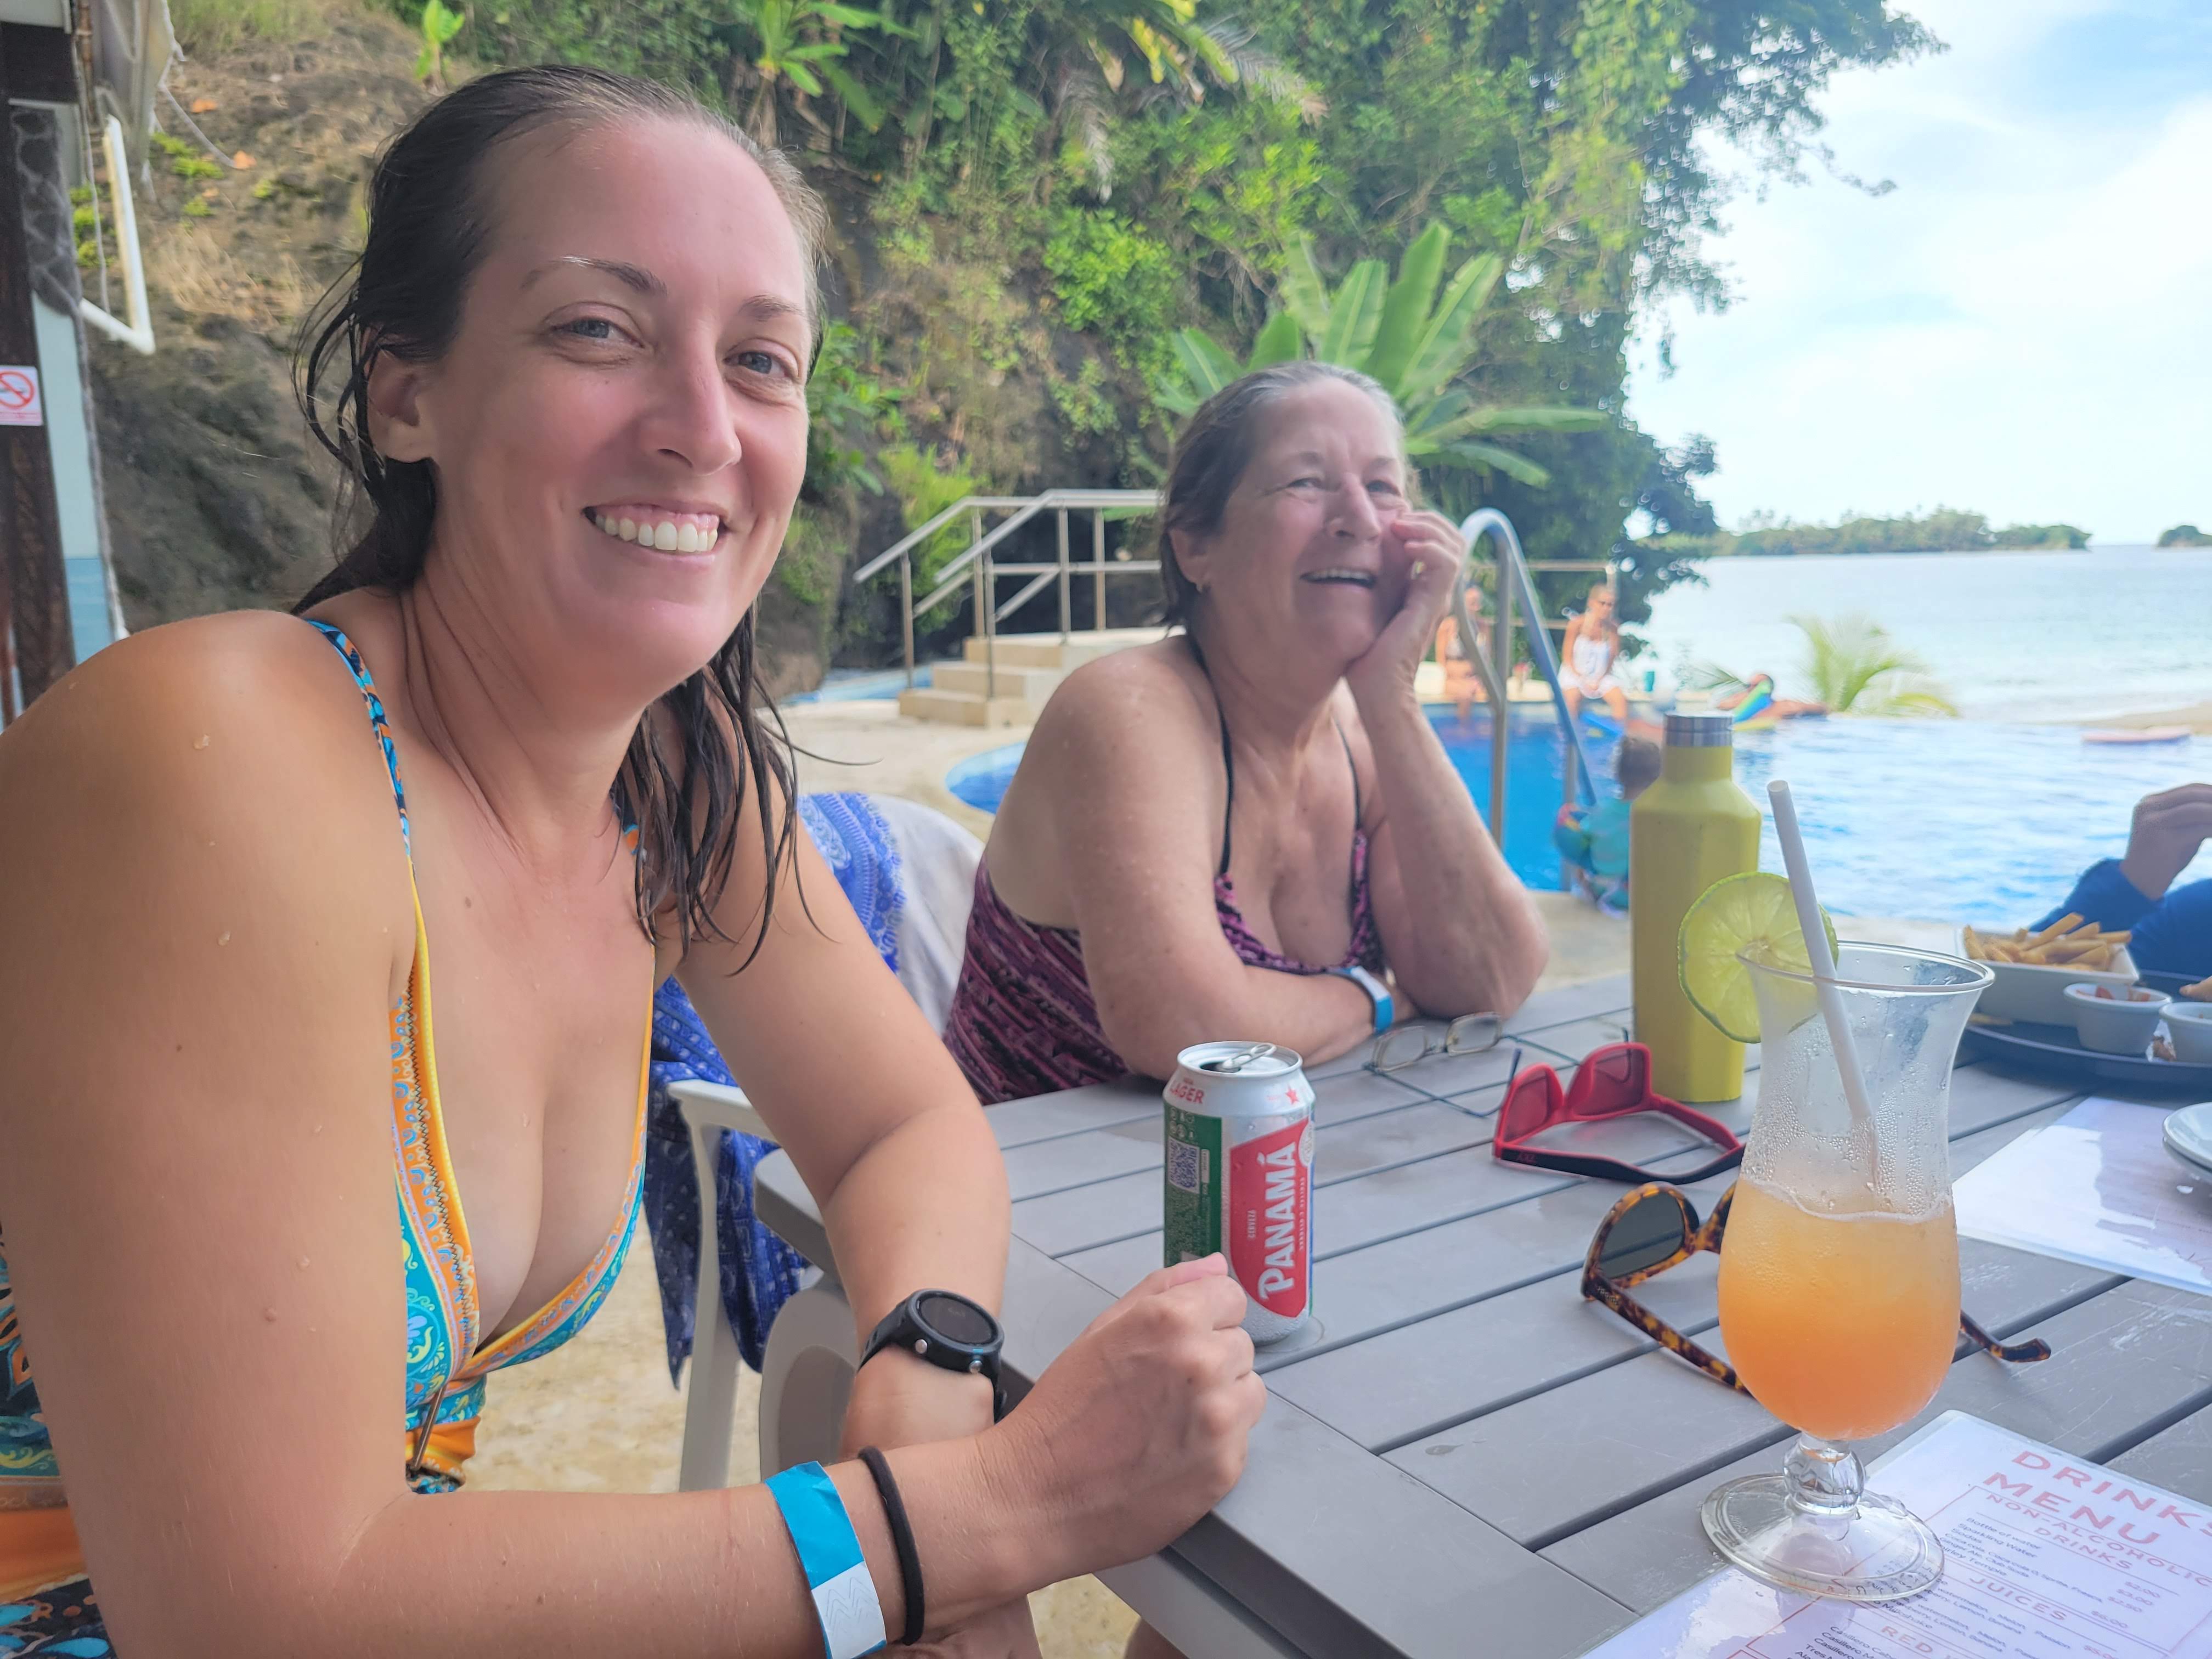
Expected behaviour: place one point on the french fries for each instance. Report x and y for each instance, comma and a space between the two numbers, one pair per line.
2070, 942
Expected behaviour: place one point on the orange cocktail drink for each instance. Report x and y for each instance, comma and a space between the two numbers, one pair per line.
1842, 1325
1839, 1273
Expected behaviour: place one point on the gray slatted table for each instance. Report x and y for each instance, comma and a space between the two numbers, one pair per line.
1466, 1456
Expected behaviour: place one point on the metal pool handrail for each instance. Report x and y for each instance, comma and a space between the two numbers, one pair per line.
1515, 585
979, 565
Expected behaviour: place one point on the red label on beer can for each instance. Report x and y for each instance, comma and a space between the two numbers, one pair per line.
1269, 1205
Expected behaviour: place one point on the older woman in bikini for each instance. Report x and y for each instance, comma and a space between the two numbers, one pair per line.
236, 1377
1249, 830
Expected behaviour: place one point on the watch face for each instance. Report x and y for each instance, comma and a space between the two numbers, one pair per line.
955, 1319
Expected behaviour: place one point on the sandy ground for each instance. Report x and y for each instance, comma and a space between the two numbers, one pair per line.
2196, 716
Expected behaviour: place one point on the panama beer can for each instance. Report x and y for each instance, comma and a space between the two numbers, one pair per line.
1240, 1152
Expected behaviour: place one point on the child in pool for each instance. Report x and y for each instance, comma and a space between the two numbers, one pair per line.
1595, 841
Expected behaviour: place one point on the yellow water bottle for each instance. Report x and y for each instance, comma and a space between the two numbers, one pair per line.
1688, 830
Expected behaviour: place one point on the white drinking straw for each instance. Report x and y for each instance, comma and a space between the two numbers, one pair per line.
1817, 952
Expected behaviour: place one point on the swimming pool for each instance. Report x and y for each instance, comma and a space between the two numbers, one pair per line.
1952, 819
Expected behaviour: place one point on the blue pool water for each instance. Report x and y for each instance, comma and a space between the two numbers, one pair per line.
1963, 820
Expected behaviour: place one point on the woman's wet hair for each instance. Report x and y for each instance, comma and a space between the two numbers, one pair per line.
1214, 450
433, 205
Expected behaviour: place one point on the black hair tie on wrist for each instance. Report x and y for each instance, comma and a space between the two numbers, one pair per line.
909, 1558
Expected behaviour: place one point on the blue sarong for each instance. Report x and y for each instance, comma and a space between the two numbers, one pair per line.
760, 1272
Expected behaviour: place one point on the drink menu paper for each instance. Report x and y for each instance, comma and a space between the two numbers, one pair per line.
2044, 1555
2099, 1187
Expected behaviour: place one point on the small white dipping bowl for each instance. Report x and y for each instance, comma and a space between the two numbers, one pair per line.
2190, 1025
2116, 1022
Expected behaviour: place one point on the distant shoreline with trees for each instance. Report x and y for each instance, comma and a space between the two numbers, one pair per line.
1946, 530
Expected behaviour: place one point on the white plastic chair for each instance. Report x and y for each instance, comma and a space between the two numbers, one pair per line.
806, 1372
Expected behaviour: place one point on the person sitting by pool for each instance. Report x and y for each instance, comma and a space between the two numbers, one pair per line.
1250, 828
568, 372
2172, 926
1591, 649
1595, 841
1463, 685
1754, 699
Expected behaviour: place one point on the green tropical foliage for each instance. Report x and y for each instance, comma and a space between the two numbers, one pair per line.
1853, 666
2184, 535
799, 45
1946, 530
1413, 342
850, 409
1091, 67
439, 25
1035, 198
925, 485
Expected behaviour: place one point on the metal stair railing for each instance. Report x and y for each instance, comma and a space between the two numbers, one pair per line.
1516, 589
978, 565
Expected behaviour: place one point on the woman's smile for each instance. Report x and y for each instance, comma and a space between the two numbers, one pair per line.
664, 529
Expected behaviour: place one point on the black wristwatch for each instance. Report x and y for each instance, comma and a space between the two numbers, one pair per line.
946, 1328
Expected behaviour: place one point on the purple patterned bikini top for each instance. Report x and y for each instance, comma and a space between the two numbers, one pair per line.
1022, 1020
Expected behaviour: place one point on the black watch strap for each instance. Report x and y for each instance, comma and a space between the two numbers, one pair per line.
906, 1327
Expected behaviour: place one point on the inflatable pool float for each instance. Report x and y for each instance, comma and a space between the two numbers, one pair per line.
2140, 735
1750, 714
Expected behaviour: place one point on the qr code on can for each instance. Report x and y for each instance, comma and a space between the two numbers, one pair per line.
1186, 1166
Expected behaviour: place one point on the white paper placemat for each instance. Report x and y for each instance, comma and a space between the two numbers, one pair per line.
2097, 1187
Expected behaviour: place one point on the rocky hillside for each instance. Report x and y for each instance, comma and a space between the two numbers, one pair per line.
216, 497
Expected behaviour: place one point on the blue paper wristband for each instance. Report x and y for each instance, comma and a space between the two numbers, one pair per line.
830, 1552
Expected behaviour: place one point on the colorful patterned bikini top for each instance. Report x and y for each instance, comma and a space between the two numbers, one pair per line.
446, 1368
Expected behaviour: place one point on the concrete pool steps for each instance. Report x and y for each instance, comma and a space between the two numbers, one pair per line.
1035, 683
1048, 651
965, 708
1029, 668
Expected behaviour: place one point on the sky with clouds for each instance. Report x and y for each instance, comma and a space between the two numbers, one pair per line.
2022, 327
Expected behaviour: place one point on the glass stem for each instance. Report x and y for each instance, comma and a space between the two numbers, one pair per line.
1824, 1480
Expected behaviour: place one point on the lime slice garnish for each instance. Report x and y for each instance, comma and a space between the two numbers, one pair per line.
1751, 913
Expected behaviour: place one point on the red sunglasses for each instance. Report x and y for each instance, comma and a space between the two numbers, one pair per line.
1614, 1081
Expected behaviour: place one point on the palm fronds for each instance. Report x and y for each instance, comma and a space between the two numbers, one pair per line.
1856, 668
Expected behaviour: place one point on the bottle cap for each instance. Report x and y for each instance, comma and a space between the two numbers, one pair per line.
1700, 731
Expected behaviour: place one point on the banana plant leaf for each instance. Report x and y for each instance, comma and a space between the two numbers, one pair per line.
1448, 342
1353, 316
858, 98
1406, 306
1467, 452
1209, 366
1304, 296
1278, 343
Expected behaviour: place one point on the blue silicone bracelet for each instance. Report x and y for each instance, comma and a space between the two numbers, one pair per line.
830, 1552
1377, 994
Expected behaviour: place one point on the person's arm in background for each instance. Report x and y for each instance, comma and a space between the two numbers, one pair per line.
2172, 927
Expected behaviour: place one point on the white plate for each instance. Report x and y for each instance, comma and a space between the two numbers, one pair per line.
2189, 1135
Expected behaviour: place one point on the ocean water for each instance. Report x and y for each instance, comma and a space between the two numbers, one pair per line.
2011, 636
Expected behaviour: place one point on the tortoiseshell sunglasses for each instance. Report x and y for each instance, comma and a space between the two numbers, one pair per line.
1657, 1227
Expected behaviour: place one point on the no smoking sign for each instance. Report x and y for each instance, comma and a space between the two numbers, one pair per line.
20, 404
